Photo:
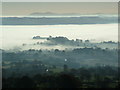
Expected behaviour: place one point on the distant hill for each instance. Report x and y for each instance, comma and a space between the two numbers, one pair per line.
57, 21
51, 14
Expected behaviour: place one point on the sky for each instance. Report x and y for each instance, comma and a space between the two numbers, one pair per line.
26, 8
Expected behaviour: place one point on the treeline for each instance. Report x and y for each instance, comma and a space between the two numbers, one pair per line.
78, 43
75, 58
76, 68
94, 77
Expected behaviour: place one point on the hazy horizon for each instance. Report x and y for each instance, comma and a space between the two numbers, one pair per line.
26, 8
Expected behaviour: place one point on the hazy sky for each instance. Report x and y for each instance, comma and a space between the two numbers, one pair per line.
25, 8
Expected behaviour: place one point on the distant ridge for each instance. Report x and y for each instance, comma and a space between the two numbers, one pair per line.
49, 18
51, 13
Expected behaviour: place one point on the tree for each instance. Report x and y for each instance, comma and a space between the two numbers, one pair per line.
25, 82
68, 81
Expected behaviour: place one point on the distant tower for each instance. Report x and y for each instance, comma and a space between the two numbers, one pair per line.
65, 67
50, 36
